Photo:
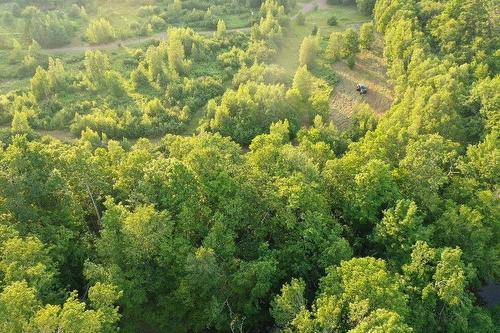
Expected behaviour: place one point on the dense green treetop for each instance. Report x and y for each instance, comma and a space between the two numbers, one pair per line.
268, 215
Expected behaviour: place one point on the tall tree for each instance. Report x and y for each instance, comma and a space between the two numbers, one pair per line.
366, 36
302, 81
308, 51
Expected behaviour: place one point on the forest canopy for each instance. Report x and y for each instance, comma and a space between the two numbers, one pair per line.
194, 179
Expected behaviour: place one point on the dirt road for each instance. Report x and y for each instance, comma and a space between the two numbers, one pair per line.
309, 6
161, 36
306, 8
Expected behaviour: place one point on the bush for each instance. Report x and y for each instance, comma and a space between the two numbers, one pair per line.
314, 31
300, 18
16, 54
100, 31
130, 62
16, 10
7, 18
351, 61
76, 11
49, 30
366, 6
157, 22
145, 11
332, 21
5, 43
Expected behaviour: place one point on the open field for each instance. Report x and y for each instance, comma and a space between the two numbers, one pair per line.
132, 41
347, 16
237, 21
73, 62
7, 85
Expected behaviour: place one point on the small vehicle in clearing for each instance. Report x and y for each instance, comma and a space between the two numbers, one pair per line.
362, 89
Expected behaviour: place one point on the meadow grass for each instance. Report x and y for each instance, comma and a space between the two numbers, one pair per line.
347, 16
236, 21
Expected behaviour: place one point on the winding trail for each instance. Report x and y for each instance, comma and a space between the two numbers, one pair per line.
109, 46
370, 69
309, 6
160, 36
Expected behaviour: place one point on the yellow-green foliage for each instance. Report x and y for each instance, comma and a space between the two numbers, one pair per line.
100, 31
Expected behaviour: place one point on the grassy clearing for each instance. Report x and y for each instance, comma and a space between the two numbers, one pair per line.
9, 85
347, 16
236, 21
121, 60
119, 14
370, 69
10, 27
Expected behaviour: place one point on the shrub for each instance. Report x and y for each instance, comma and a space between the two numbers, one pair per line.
16, 54
157, 22
366, 6
300, 18
332, 21
49, 30
76, 11
314, 30
145, 11
5, 43
16, 10
100, 31
7, 18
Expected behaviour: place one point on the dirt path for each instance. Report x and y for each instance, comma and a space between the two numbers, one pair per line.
370, 69
62, 135
161, 36
309, 6
306, 8
109, 46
